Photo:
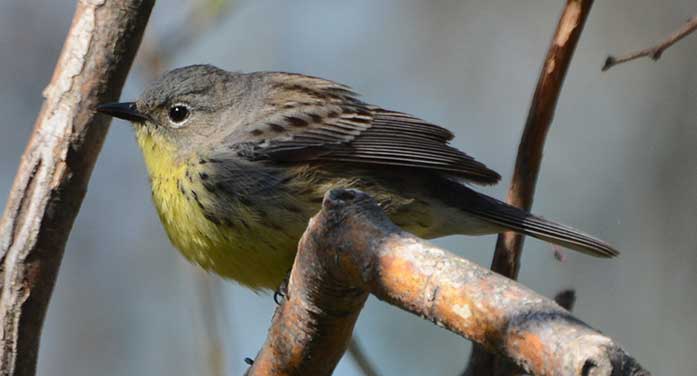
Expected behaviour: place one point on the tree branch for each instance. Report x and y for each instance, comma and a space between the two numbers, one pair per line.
350, 249
656, 51
527, 166
509, 245
56, 165
361, 358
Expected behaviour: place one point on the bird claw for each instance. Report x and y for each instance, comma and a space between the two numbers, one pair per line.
280, 294
278, 297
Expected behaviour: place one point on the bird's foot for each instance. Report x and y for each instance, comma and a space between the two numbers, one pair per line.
280, 295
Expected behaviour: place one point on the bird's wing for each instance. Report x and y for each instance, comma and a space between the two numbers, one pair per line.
311, 119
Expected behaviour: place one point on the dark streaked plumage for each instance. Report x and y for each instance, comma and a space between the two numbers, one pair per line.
320, 120
239, 171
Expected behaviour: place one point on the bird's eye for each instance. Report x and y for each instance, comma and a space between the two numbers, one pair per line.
178, 114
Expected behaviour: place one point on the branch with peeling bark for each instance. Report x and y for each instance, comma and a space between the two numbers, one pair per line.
56, 165
656, 51
351, 249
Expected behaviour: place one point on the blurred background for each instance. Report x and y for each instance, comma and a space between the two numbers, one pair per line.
620, 163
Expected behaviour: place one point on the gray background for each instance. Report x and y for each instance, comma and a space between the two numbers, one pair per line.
619, 163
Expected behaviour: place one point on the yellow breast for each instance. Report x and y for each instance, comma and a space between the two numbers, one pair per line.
230, 252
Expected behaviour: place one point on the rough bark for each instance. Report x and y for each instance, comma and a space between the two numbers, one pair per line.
56, 165
351, 249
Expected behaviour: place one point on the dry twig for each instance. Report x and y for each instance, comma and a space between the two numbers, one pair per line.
351, 249
509, 245
56, 165
656, 51
355, 350
527, 167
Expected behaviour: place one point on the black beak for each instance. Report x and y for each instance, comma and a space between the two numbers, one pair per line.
125, 111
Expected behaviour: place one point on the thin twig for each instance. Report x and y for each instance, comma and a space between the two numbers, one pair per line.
351, 249
56, 165
509, 245
355, 350
360, 358
527, 167
656, 51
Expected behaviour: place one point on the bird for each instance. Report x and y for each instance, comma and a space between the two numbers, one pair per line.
239, 162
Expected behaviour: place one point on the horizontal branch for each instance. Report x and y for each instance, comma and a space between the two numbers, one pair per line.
656, 51
351, 249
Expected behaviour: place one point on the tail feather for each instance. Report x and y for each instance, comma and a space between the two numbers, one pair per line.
512, 218
520, 221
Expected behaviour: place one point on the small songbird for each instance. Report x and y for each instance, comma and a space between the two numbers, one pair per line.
239, 162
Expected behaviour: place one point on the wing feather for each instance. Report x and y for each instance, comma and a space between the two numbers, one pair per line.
310, 119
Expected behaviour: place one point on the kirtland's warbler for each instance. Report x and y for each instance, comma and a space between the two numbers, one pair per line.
239, 162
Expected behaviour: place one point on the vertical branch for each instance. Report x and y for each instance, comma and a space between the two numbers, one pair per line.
527, 166
53, 174
509, 245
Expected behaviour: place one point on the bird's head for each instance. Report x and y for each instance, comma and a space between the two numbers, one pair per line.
188, 109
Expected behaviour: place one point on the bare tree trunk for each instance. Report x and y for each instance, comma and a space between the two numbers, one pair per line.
56, 165
351, 249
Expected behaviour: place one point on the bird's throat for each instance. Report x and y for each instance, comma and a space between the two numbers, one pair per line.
159, 154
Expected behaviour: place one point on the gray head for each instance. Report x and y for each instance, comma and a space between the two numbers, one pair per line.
190, 106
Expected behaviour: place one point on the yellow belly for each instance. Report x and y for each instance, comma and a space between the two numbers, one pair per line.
257, 257
254, 241
233, 254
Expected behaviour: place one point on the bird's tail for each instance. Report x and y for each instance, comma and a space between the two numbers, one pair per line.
511, 218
